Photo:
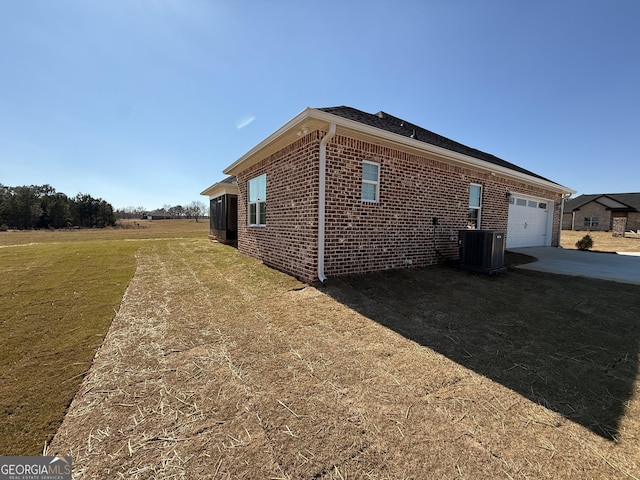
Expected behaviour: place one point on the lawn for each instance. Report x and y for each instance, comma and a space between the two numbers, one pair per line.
59, 291
602, 241
216, 366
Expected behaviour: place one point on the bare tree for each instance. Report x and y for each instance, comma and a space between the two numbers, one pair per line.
195, 209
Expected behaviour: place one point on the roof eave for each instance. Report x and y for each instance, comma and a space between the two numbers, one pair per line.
344, 123
220, 188
241, 164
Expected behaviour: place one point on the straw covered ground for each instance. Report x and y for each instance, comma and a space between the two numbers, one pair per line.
218, 367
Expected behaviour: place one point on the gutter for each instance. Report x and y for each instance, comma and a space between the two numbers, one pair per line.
322, 177
446, 155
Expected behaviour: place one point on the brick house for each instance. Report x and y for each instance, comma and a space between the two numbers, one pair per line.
598, 212
338, 191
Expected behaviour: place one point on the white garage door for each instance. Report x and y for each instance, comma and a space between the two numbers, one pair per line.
530, 221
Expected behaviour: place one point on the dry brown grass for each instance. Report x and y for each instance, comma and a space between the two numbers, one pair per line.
59, 291
602, 241
126, 230
217, 367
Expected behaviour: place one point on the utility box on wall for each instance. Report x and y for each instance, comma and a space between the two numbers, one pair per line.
482, 250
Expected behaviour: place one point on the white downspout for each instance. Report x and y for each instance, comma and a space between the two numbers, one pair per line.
321, 199
564, 195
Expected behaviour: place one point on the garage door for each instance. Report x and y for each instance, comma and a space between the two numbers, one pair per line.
529, 222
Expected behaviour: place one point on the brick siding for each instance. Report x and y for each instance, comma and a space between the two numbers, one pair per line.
592, 209
366, 236
605, 218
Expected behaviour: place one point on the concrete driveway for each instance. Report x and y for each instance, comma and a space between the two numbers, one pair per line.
623, 268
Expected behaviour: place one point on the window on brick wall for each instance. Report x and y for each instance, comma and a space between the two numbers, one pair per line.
475, 206
590, 222
258, 201
370, 181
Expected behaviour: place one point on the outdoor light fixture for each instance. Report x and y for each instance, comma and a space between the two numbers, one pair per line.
508, 195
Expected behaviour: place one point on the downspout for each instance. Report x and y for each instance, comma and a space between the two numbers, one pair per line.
322, 177
564, 195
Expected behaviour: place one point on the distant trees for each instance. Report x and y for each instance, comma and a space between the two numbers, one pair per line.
40, 206
176, 211
195, 210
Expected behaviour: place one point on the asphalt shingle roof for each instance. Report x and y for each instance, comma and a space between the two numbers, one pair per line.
632, 200
392, 124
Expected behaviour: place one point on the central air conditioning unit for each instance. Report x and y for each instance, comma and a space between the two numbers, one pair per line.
482, 250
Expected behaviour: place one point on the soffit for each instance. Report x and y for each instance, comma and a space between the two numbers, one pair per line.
311, 119
221, 188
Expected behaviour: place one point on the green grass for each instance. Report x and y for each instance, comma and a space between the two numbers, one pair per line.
57, 302
59, 291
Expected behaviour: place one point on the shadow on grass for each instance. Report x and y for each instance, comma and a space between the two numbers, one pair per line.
569, 344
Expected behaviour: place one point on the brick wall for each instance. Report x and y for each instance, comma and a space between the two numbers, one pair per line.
363, 236
592, 209
605, 218
289, 240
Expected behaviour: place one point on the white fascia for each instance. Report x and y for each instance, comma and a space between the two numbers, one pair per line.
443, 153
306, 113
220, 188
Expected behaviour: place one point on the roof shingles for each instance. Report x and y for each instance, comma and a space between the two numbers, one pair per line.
396, 125
631, 200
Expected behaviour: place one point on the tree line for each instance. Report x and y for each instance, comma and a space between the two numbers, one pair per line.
195, 209
40, 206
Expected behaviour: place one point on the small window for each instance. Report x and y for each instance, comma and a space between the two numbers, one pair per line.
521, 202
590, 222
542, 205
475, 206
258, 201
370, 181
532, 204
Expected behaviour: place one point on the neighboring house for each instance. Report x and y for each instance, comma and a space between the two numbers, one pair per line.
155, 215
223, 210
338, 191
596, 212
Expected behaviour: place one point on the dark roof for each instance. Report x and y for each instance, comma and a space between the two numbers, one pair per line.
392, 124
631, 200
231, 180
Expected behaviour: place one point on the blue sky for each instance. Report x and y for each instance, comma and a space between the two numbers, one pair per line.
145, 102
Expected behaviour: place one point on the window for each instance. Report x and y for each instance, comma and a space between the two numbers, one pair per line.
590, 222
521, 202
370, 181
532, 204
258, 200
475, 206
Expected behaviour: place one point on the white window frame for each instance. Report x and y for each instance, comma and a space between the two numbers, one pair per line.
258, 200
375, 183
473, 207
